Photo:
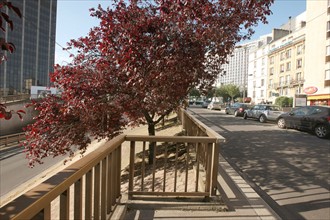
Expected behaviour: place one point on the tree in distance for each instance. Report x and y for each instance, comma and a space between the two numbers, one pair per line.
136, 67
227, 91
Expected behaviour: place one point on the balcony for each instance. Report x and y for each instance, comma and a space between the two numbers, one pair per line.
296, 82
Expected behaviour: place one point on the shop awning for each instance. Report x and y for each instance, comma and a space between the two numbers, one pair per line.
318, 97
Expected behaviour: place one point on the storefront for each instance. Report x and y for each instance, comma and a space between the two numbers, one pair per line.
323, 99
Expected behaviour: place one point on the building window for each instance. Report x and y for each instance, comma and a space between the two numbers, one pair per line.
271, 71
263, 61
287, 79
327, 58
281, 81
262, 93
288, 54
270, 82
288, 66
298, 90
255, 64
254, 84
254, 94
282, 56
299, 49
282, 68
298, 76
299, 63
271, 60
262, 82
327, 74
262, 71
328, 29
328, 51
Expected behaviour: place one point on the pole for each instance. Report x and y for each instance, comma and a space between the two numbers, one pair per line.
245, 72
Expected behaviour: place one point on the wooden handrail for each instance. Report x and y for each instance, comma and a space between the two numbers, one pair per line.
178, 139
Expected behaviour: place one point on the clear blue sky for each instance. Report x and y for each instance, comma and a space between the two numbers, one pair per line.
74, 21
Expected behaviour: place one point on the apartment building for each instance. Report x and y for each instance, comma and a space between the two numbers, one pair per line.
293, 60
317, 53
257, 73
286, 59
236, 70
34, 39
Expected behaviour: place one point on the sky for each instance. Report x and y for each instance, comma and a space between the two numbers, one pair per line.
74, 21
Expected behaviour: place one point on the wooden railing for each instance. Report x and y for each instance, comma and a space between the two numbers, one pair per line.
195, 152
91, 187
194, 127
88, 189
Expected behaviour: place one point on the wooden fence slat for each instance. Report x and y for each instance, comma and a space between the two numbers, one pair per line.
65, 204
88, 195
118, 172
104, 188
165, 165
78, 195
143, 165
47, 212
97, 183
186, 168
131, 167
110, 182
153, 166
197, 167
176, 167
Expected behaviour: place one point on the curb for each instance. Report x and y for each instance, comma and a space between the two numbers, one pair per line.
241, 199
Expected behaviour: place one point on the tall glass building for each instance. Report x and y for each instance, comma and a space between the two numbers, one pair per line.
34, 38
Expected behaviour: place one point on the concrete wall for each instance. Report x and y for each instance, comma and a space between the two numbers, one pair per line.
15, 125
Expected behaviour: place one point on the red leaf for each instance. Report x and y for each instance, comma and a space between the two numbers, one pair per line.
8, 115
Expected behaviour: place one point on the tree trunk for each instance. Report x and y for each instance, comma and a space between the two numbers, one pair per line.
152, 145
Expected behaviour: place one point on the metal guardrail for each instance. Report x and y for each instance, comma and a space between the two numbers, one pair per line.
14, 98
91, 187
12, 139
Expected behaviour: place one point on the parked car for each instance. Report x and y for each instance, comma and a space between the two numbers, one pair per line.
314, 119
263, 113
206, 103
237, 109
214, 106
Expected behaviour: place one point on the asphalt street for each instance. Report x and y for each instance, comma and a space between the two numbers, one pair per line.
289, 169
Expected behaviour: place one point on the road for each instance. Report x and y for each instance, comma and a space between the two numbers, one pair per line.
16, 176
289, 169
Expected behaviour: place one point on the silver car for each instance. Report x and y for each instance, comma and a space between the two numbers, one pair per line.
214, 106
263, 113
